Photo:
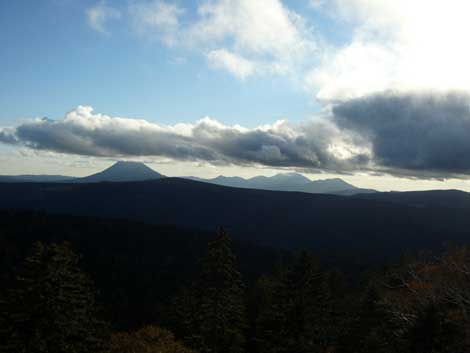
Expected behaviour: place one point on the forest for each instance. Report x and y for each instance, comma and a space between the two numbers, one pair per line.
74, 284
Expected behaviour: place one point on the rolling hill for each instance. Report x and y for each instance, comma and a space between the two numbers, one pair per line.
326, 224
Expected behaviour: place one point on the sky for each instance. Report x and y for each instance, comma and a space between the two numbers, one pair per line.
376, 92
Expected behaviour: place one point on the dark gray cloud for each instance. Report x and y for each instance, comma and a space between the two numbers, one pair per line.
106, 137
8, 136
419, 134
279, 145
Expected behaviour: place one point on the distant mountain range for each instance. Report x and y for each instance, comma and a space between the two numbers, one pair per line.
134, 171
289, 182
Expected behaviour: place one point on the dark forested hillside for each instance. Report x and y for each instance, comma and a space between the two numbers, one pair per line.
117, 286
454, 199
362, 227
137, 267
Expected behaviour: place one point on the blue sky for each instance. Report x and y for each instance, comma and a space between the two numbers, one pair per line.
370, 90
53, 60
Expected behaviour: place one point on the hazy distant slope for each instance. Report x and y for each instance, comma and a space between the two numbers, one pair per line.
135, 171
323, 223
34, 178
289, 182
122, 171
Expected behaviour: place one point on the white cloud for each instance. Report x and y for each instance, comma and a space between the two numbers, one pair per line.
356, 70
401, 44
317, 4
265, 32
262, 36
233, 63
159, 16
100, 14
263, 27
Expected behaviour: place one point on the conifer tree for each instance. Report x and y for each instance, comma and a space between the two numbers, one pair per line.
434, 330
296, 315
217, 316
52, 306
370, 329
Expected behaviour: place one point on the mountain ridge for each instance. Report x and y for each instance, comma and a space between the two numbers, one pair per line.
289, 182
126, 171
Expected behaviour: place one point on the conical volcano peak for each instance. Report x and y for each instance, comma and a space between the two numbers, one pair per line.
130, 165
124, 171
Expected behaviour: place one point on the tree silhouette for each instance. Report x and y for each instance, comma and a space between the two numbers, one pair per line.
213, 311
51, 307
296, 311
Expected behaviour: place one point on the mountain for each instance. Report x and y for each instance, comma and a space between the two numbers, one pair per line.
334, 186
121, 172
361, 227
135, 171
35, 178
289, 182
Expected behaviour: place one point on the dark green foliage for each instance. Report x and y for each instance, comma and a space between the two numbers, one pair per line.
434, 331
296, 310
137, 267
417, 306
51, 306
212, 315
368, 328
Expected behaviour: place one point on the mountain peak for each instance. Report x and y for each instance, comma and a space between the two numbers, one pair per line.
127, 163
123, 171
292, 176
333, 181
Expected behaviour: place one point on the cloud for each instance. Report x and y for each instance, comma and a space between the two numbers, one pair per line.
314, 145
419, 134
7, 136
236, 65
262, 36
400, 45
157, 16
100, 14
275, 39
316, 4
393, 45
264, 27
357, 70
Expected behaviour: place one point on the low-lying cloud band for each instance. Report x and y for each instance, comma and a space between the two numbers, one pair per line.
413, 134
281, 144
